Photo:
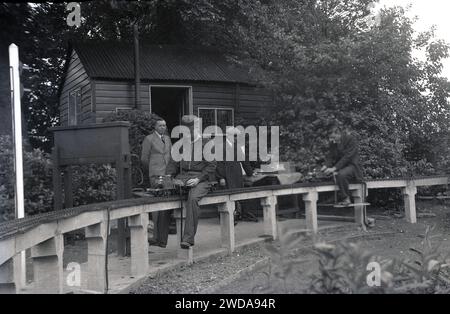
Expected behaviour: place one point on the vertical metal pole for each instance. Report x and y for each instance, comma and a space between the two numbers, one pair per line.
18, 151
137, 81
335, 191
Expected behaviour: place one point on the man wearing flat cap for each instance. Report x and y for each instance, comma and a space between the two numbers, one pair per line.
195, 174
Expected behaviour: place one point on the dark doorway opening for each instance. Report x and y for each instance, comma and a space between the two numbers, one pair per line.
170, 103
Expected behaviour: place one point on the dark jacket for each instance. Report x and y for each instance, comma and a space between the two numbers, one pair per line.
345, 153
231, 170
185, 169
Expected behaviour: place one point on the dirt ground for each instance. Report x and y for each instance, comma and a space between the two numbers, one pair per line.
245, 271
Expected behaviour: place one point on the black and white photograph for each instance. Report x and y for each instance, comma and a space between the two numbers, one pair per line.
227, 153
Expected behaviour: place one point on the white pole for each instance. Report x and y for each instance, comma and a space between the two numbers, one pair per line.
18, 152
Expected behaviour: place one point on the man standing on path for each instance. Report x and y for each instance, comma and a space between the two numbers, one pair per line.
155, 157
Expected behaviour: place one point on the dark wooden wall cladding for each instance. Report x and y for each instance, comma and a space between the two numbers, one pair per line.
106, 84
76, 79
91, 143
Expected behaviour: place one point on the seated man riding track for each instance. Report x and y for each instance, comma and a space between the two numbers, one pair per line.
343, 161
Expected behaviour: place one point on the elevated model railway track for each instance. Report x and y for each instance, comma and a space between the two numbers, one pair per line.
43, 233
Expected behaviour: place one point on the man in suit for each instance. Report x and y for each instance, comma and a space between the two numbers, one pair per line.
155, 157
195, 175
343, 160
231, 172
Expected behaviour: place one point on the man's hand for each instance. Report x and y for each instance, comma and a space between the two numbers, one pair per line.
222, 182
330, 170
192, 182
178, 182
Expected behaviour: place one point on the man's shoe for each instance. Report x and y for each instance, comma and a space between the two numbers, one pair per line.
153, 242
186, 245
344, 203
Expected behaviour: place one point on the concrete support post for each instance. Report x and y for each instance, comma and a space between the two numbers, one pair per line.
226, 211
48, 265
409, 197
139, 244
7, 285
359, 210
269, 205
96, 241
310, 200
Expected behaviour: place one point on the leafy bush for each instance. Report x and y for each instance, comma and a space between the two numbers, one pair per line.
363, 77
342, 268
38, 192
91, 183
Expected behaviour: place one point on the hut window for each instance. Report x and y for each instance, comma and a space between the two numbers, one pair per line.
221, 117
74, 106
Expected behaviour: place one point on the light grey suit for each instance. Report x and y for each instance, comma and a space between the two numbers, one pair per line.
156, 156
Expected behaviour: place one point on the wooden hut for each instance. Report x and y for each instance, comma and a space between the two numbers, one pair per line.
174, 80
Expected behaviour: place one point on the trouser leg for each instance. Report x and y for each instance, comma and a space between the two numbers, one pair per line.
155, 216
191, 223
343, 177
238, 210
163, 226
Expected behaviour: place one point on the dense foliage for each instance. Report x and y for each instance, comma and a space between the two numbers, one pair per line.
38, 191
91, 183
361, 74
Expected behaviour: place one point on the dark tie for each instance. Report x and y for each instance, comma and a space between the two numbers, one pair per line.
162, 139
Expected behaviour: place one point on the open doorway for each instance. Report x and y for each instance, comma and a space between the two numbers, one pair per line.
171, 103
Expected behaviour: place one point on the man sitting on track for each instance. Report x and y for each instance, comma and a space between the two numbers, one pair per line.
343, 160
196, 176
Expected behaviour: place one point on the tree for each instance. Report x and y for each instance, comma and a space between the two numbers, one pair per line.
323, 59
348, 70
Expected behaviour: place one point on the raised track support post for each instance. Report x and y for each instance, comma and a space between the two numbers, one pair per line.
7, 285
96, 240
359, 210
409, 196
139, 244
310, 200
226, 211
269, 205
48, 265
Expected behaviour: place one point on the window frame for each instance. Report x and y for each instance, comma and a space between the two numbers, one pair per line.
215, 115
78, 95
